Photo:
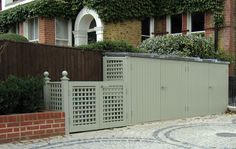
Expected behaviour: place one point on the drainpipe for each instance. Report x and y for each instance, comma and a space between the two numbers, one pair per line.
216, 38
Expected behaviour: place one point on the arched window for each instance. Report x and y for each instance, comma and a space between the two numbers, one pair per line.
88, 27
92, 36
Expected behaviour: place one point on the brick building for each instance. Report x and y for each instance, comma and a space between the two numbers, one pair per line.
88, 27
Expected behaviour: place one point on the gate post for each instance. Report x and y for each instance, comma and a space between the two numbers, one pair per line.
46, 90
65, 100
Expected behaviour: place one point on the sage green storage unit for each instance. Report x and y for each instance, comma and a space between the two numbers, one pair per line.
162, 88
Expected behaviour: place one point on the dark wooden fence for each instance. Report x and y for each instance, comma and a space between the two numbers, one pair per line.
24, 59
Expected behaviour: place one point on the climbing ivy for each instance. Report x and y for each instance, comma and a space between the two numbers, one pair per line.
109, 10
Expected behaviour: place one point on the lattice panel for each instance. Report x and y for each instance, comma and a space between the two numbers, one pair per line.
84, 105
113, 104
55, 102
114, 70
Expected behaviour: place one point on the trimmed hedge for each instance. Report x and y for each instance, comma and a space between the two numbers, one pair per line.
110, 46
186, 46
13, 37
21, 95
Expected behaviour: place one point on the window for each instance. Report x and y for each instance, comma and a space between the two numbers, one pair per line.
176, 24
14, 29
92, 35
33, 30
62, 33
197, 22
145, 29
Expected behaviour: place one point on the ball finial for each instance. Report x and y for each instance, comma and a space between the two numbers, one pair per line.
46, 74
64, 73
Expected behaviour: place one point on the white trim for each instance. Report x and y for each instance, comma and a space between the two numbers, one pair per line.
82, 24
168, 24
152, 27
12, 4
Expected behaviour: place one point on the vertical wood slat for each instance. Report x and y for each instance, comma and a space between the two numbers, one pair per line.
24, 59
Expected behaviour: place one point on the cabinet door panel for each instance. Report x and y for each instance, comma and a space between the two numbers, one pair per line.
198, 103
173, 89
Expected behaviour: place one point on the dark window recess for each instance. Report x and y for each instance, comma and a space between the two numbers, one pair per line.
176, 23
92, 37
145, 29
198, 21
92, 24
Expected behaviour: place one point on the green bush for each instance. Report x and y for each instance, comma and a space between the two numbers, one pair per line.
110, 46
13, 37
21, 95
187, 46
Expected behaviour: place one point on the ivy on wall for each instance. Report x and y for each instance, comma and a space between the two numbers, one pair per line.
109, 10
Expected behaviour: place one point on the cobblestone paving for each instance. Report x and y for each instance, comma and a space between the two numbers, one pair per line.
211, 132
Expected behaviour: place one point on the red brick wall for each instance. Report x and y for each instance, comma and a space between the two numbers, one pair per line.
47, 31
31, 126
227, 33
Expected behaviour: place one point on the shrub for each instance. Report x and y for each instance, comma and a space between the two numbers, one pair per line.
13, 37
21, 95
110, 46
188, 46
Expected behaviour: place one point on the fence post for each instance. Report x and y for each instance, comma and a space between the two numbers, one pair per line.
46, 90
65, 99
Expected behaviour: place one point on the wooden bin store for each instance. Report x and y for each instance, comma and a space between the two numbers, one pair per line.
163, 88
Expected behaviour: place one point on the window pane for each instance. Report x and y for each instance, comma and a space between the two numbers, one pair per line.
61, 43
31, 29
36, 31
146, 26
61, 28
198, 21
176, 23
92, 24
92, 37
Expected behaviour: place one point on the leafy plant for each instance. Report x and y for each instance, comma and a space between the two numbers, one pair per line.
20, 95
13, 37
187, 46
111, 46
109, 11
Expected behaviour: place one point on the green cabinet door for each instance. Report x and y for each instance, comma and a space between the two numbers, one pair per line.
197, 103
173, 89
145, 90
218, 88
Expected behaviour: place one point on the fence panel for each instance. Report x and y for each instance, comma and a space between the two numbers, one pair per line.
23, 59
96, 105
84, 106
113, 103
54, 102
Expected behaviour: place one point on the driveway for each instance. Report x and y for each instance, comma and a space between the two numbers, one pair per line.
217, 131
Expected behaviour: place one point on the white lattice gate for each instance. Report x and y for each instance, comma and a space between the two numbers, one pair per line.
96, 105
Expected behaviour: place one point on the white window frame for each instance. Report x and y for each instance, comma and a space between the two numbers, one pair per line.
168, 25
26, 30
189, 25
152, 29
69, 40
